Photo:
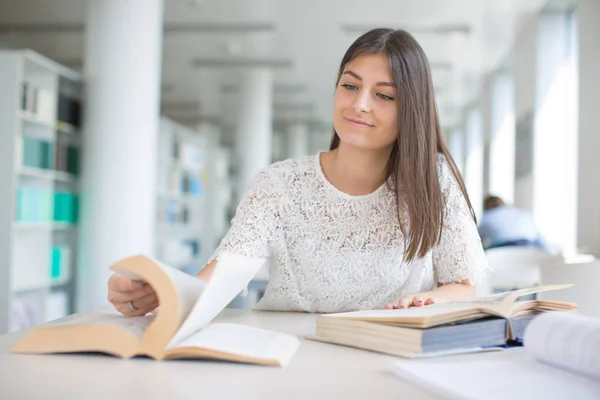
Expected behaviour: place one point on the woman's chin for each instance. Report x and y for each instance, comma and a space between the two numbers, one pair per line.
359, 141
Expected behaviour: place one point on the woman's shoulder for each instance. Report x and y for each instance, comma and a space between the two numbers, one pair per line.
300, 166
446, 176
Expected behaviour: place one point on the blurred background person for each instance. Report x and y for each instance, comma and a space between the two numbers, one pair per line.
502, 225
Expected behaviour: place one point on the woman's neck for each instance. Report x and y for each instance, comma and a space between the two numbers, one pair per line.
354, 171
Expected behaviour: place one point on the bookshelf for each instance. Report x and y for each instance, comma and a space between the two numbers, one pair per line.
40, 120
182, 219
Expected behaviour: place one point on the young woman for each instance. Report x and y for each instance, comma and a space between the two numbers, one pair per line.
382, 220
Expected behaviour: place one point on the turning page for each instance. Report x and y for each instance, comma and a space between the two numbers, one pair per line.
188, 288
231, 275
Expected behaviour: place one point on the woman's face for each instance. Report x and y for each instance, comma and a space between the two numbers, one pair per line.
365, 111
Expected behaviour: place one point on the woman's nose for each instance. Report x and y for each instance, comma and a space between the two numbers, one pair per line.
362, 104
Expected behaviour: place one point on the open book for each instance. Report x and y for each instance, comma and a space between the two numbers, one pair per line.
179, 328
459, 326
559, 361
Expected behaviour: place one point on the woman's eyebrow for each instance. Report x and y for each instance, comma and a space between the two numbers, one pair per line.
354, 74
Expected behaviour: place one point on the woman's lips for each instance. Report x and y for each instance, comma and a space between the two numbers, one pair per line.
359, 123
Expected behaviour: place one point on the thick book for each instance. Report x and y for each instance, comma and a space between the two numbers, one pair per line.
559, 360
484, 323
180, 328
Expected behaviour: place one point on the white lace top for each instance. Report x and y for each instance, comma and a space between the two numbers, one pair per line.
331, 252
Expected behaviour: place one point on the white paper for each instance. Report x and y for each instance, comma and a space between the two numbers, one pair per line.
425, 311
242, 340
566, 340
511, 375
188, 287
231, 275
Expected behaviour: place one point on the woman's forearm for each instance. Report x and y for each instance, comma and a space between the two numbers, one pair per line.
207, 271
453, 291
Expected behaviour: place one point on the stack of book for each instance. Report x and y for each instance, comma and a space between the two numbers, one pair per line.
479, 324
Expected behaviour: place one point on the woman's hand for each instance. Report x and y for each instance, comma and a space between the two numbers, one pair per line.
131, 298
411, 300
442, 294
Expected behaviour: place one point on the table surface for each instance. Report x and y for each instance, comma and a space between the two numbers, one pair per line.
317, 369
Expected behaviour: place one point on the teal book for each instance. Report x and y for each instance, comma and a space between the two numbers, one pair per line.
73, 160
56, 263
37, 153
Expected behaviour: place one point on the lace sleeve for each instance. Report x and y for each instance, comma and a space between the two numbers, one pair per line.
459, 255
253, 226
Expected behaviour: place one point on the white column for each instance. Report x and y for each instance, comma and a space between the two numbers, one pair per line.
122, 73
297, 140
502, 138
254, 130
457, 147
525, 73
588, 232
555, 134
474, 159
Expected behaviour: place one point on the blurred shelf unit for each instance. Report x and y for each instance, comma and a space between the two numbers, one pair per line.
182, 179
40, 152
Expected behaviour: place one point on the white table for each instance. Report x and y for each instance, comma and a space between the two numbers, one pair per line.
318, 370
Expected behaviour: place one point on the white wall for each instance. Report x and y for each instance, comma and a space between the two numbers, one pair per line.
502, 137
588, 233
474, 158
555, 133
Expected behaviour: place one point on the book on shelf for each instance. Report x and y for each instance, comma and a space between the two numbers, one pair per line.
559, 360
69, 110
180, 328
37, 153
60, 264
478, 324
38, 102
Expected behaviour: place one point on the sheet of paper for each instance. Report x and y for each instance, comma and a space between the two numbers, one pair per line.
566, 340
242, 340
511, 375
396, 314
136, 325
188, 287
231, 275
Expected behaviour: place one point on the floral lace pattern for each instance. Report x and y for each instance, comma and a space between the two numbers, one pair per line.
332, 252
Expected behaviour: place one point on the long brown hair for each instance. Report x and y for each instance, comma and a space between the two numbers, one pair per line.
413, 162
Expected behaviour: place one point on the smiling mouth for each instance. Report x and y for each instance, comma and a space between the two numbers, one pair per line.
359, 122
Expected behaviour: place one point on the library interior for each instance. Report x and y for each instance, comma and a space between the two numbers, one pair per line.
147, 139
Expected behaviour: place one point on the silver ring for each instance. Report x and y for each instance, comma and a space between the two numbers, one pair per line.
132, 307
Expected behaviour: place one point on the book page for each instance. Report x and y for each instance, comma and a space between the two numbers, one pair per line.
136, 326
231, 275
188, 287
241, 340
414, 312
500, 304
566, 340
512, 374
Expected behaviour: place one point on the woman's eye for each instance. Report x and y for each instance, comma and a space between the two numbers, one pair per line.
384, 97
350, 87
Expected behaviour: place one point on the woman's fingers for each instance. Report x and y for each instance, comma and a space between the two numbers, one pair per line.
404, 302
417, 301
137, 308
120, 283
123, 291
409, 301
